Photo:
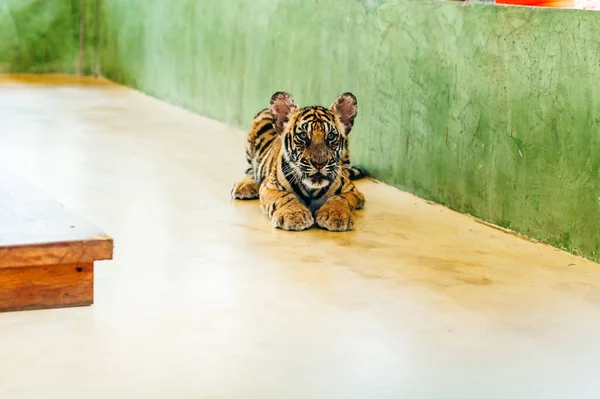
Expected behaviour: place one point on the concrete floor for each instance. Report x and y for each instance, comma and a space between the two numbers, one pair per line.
205, 300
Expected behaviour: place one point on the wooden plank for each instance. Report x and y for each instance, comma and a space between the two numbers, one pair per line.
71, 252
37, 230
45, 287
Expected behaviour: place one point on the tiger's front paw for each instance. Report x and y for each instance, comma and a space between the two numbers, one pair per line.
245, 189
335, 216
294, 218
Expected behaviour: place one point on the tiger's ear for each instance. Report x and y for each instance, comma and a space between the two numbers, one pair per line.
345, 107
282, 106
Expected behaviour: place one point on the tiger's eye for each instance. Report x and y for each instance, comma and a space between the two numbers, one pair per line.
302, 136
331, 136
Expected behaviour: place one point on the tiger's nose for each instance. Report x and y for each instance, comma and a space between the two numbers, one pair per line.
319, 165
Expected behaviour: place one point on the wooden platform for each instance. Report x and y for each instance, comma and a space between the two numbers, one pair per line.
47, 253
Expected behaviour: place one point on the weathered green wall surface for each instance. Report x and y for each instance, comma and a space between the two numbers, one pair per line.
42, 36
493, 111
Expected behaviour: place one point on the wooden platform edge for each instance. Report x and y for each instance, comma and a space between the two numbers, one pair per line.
46, 287
60, 253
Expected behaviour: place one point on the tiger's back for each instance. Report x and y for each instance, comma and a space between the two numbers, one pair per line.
263, 146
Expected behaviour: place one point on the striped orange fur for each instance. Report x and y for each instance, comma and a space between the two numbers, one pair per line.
299, 164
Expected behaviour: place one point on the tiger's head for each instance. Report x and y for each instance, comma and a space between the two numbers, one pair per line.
313, 138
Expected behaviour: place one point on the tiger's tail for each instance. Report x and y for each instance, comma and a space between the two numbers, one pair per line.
355, 173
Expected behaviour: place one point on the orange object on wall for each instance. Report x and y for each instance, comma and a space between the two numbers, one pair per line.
577, 4
540, 3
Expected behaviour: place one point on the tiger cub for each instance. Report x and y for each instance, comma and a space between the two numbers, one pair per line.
299, 164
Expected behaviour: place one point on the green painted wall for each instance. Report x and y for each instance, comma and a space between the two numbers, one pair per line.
43, 36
